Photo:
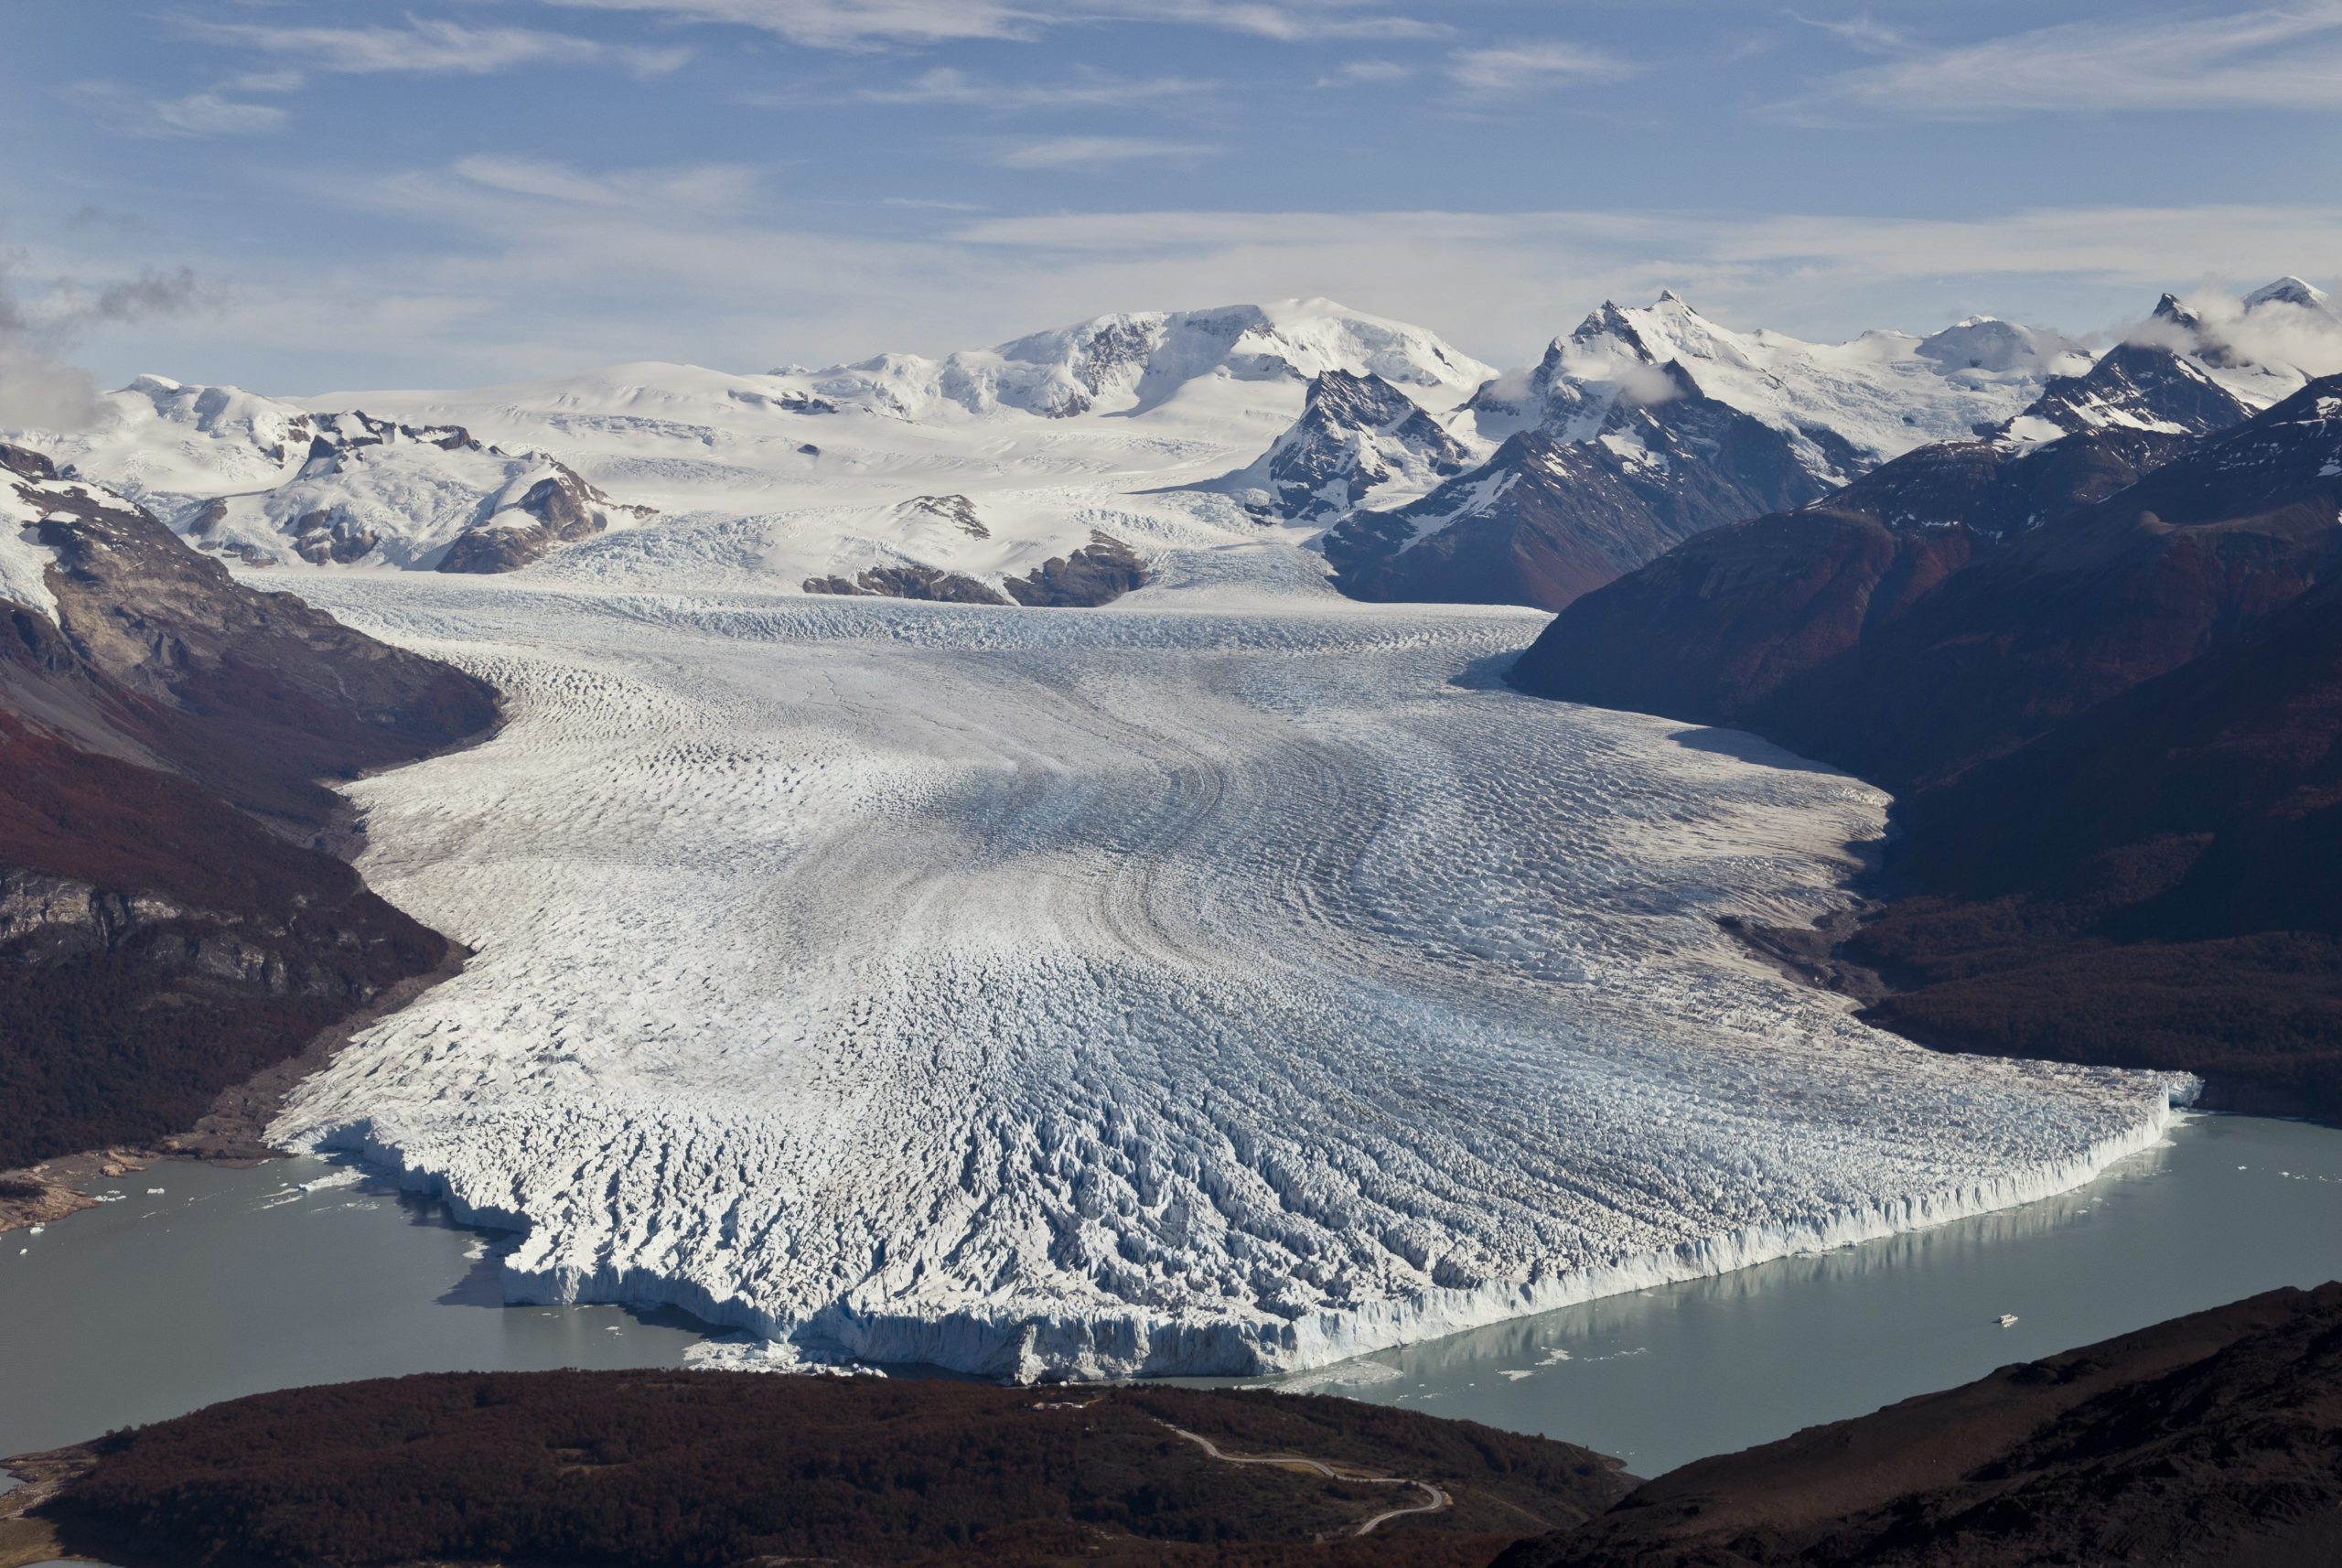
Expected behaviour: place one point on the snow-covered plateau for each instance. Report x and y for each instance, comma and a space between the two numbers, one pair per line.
1233, 979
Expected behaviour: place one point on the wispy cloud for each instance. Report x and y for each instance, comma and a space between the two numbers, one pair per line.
1862, 32
705, 187
1506, 69
1366, 73
136, 113
209, 114
1091, 152
1083, 89
872, 24
2275, 57
427, 46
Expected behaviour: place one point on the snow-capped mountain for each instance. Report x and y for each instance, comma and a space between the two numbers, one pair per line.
2134, 386
270, 482
1357, 436
1554, 513
1136, 363
1845, 407
1539, 524
1120, 439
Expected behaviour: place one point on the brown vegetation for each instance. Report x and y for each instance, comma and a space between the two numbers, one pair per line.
2117, 732
2213, 1439
714, 1469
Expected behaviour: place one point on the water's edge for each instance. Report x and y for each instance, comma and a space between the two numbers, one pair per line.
1029, 1348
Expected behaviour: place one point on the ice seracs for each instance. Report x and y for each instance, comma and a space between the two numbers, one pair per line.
1224, 981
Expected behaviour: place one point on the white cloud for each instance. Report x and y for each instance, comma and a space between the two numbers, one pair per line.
136, 113
709, 188
427, 46
208, 114
869, 24
1083, 88
2279, 57
1526, 68
1091, 152
515, 268
1862, 32
41, 389
1366, 73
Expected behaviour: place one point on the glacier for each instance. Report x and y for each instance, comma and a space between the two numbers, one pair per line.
1234, 979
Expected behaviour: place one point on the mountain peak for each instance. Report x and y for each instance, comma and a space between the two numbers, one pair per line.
2286, 290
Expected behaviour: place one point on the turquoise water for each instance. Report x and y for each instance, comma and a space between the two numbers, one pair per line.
2231, 1207
231, 1282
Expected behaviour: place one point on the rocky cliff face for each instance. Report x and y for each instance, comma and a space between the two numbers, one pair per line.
166, 926
1551, 517
1357, 435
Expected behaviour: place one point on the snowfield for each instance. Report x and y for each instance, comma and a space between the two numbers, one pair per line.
1234, 978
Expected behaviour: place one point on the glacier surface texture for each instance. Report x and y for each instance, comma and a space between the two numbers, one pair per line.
1218, 982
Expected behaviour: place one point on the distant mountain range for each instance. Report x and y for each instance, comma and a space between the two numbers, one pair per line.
1429, 475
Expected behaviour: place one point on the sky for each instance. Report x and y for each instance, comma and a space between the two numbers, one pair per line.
303, 196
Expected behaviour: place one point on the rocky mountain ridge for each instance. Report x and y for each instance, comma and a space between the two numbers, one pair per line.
167, 922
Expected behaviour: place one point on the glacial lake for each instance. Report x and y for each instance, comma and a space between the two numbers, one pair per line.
229, 1282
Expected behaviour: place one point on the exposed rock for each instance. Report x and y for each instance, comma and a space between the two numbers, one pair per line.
156, 942
957, 510
910, 582
558, 508
1356, 435
1097, 573
2134, 386
1549, 517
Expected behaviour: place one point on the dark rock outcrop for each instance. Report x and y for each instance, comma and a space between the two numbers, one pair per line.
2138, 386
1097, 573
558, 509
2211, 1440
957, 510
1355, 434
908, 583
1549, 518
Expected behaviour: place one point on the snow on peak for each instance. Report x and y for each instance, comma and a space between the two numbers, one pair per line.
1138, 361
1846, 406
2287, 290
2000, 347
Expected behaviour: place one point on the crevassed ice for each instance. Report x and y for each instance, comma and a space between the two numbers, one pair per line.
1043, 993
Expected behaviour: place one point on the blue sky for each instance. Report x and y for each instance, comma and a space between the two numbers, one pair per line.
304, 195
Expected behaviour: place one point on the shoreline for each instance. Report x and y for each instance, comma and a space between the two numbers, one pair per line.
232, 1132
1034, 1347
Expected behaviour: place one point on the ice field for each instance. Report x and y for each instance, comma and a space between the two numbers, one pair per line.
1232, 979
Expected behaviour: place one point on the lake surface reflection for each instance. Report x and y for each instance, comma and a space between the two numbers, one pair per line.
229, 1282
2230, 1207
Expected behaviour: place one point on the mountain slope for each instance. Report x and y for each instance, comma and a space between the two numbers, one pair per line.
1549, 518
2114, 731
1356, 435
1646, 426
270, 483
165, 931
2209, 1440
